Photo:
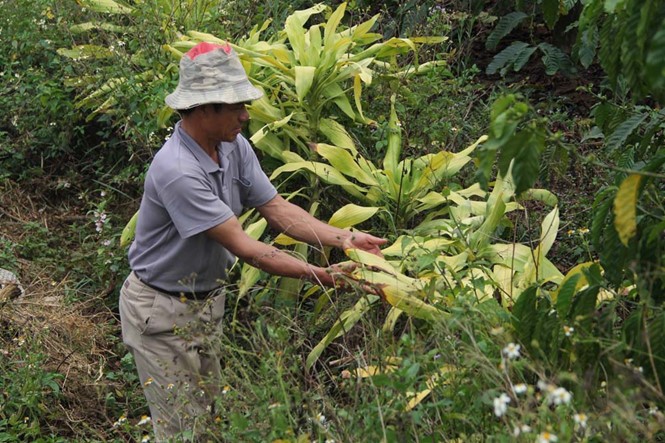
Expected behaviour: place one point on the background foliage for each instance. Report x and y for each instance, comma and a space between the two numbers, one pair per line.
511, 152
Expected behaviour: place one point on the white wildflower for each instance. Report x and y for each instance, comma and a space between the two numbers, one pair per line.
501, 405
581, 419
568, 330
145, 419
121, 421
546, 437
512, 350
524, 429
559, 396
520, 388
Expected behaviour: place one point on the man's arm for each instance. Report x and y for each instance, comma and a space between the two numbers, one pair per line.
265, 257
300, 225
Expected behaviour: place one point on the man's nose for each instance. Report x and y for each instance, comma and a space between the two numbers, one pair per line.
244, 115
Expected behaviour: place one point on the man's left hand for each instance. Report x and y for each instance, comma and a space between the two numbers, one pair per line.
366, 242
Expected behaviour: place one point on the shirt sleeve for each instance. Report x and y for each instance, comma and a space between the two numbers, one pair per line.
192, 205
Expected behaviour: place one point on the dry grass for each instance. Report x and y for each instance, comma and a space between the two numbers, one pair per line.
79, 338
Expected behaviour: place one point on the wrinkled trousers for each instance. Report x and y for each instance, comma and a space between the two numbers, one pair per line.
173, 343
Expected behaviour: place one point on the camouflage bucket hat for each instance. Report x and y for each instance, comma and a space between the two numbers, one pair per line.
211, 73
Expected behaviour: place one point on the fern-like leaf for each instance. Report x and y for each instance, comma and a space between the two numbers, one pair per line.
555, 60
550, 12
506, 24
655, 65
618, 138
600, 210
506, 58
525, 316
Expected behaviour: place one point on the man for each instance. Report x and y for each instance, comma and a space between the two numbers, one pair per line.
187, 236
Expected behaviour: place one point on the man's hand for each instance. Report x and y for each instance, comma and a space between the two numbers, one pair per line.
366, 242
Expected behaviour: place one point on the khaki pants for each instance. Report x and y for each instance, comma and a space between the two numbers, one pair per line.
173, 344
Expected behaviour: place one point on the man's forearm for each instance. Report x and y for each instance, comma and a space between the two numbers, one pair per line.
300, 225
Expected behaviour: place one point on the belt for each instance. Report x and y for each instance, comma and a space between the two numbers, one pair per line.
189, 295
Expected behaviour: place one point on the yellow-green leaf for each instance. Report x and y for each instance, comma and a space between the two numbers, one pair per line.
342, 160
129, 230
351, 215
346, 321
337, 134
411, 305
304, 80
625, 208
107, 6
332, 24
394, 147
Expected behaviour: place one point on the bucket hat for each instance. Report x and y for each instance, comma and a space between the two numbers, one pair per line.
211, 73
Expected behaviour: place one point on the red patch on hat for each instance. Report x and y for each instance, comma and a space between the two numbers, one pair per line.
205, 47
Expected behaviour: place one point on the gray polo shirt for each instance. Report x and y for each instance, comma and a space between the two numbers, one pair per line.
185, 194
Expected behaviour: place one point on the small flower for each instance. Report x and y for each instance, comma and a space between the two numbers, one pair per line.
520, 388
226, 389
512, 351
170, 386
501, 405
106, 243
145, 439
524, 429
653, 410
571, 232
583, 231
145, 419
581, 419
559, 396
346, 374
545, 386
546, 437
568, 330
102, 194
321, 418
148, 382
121, 421
640, 369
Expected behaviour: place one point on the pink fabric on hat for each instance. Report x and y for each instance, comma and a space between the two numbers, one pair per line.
205, 47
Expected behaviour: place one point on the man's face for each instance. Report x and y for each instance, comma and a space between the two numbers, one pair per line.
227, 121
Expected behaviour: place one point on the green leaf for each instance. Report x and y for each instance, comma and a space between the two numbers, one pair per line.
550, 12
618, 138
526, 166
588, 47
129, 230
584, 307
565, 295
506, 58
555, 60
506, 24
655, 63
525, 316
345, 322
